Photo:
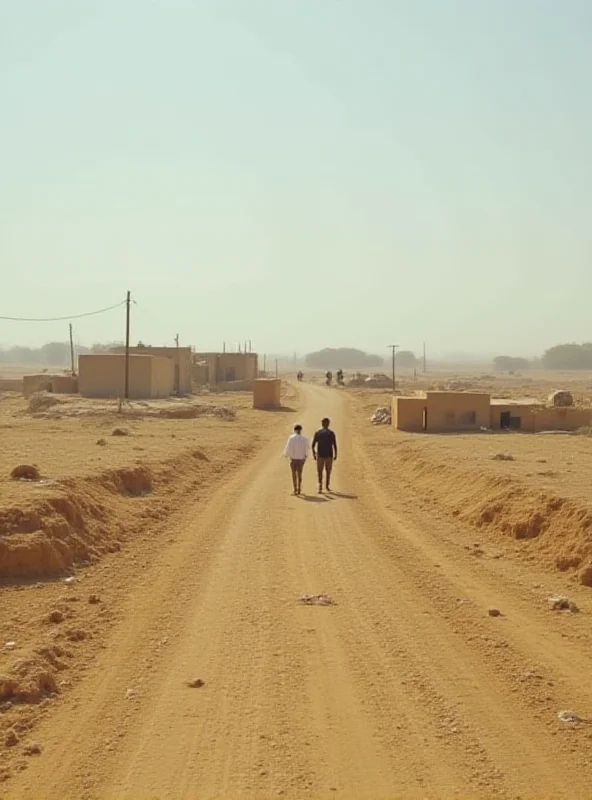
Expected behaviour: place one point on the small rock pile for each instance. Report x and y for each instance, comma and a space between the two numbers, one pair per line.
382, 416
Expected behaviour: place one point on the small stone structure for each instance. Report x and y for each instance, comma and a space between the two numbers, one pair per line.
267, 393
56, 384
219, 370
442, 411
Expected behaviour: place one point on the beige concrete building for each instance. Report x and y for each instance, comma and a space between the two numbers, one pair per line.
439, 412
221, 369
103, 375
180, 356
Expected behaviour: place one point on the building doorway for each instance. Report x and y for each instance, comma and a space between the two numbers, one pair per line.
510, 423
230, 374
424, 423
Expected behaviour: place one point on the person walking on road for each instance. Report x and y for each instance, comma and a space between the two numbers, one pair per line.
296, 450
324, 452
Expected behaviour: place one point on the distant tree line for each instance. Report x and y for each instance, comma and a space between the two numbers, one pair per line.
52, 354
560, 357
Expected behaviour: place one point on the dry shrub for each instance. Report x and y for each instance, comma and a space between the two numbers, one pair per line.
120, 432
41, 401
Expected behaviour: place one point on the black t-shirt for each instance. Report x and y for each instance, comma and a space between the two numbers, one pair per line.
325, 441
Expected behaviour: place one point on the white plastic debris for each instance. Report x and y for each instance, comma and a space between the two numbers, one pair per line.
562, 603
569, 716
382, 416
10, 645
71, 579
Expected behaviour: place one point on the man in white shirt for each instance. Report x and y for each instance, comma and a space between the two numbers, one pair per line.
296, 450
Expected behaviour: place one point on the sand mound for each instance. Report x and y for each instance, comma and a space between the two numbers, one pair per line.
77, 526
30, 678
41, 401
193, 411
558, 529
88, 518
25, 472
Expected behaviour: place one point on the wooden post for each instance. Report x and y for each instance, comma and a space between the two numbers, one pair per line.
177, 368
127, 344
72, 352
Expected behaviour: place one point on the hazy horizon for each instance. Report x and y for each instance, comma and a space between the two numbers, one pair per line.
304, 176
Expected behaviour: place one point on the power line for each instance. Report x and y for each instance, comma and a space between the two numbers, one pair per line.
62, 319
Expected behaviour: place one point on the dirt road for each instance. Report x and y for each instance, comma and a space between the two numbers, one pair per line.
405, 688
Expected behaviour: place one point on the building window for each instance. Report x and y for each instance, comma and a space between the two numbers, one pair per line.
468, 418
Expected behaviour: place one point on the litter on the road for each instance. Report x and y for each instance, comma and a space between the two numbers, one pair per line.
317, 600
561, 603
382, 416
569, 716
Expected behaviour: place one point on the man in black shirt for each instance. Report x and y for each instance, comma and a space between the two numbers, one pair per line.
324, 452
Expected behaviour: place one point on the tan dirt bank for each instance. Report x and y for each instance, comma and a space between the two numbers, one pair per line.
404, 688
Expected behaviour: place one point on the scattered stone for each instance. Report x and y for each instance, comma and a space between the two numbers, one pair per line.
56, 617
25, 472
382, 416
561, 603
33, 749
11, 739
75, 635
569, 717
494, 612
94, 599
317, 600
130, 694
502, 457
196, 684
102, 442
120, 432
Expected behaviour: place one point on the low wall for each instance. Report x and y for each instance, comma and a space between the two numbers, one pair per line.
11, 385
57, 384
234, 386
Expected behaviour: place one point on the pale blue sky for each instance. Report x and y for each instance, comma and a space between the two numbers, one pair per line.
319, 173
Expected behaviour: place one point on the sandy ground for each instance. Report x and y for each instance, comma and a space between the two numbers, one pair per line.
406, 687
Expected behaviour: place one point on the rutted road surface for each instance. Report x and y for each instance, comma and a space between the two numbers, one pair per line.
404, 688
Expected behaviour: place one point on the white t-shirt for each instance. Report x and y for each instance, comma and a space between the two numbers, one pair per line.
296, 447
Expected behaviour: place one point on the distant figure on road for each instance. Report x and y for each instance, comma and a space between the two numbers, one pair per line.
324, 452
340, 377
296, 450
329, 378
299, 375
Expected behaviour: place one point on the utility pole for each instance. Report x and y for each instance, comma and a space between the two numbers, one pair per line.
265, 363
424, 358
394, 347
177, 368
276, 368
72, 351
127, 343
